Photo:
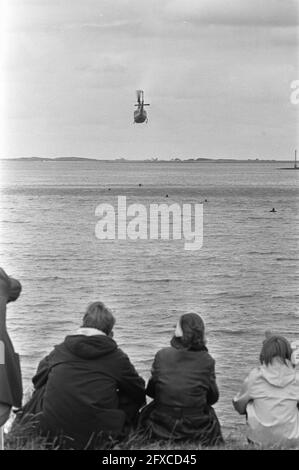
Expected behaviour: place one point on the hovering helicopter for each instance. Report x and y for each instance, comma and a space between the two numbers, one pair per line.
140, 114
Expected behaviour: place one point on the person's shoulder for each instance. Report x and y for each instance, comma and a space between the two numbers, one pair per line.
165, 352
58, 349
58, 354
119, 361
205, 356
119, 356
205, 352
253, 375
120, 353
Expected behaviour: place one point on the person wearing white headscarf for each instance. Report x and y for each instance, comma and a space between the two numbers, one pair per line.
183, 386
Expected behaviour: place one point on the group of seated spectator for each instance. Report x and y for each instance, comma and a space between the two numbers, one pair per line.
87, 388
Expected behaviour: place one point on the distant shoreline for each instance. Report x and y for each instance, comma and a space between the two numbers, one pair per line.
154, 160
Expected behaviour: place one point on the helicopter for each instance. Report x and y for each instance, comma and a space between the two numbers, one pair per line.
140, 114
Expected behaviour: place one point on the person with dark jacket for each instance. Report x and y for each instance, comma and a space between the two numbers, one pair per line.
183, 386
87, 387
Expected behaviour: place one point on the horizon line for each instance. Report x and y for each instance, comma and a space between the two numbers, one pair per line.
150, 160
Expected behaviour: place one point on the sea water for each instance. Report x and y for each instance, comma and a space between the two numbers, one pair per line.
242, 281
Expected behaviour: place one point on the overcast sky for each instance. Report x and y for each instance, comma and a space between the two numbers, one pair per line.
217, 74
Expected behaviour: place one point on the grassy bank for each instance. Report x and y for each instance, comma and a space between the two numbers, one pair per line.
25, 437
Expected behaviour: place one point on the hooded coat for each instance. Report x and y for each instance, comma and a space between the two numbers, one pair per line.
270, 397
87, 380
183, 385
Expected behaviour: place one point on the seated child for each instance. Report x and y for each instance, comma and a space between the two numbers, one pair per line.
270, 396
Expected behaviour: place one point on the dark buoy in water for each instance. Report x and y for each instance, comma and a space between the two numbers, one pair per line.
273, 210
139, 185
166, 195
109, 189
206, 200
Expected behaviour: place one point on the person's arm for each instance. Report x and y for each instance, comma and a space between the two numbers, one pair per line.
241, 400
150, 389
213, 392
297, 382
42, 373
130, 383
4, 295
3, 331
151, 385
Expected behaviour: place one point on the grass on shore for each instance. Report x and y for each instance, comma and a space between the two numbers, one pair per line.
25, 437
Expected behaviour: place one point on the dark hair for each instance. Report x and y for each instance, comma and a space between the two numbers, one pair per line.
100, 317
275, 346
193, 331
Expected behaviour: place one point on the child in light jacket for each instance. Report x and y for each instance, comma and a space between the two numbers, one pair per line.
270, 395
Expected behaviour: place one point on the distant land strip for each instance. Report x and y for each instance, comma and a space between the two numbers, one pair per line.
152, 160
